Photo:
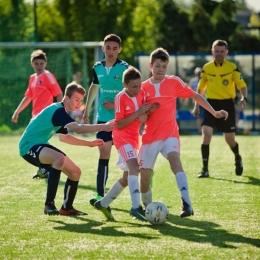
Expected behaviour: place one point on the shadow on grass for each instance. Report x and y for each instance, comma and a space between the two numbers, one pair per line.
98, 228
251, 180
203, 232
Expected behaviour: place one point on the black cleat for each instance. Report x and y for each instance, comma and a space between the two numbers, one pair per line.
50, 209
186, 210
239, 165
203, 174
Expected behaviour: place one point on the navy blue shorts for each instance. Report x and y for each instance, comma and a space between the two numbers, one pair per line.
105, 136
222, 125
32, 156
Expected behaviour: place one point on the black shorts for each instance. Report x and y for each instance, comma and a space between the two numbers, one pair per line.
222, 125
32, 156
105, 136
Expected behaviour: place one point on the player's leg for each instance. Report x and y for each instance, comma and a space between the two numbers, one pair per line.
171, 151
207, 129
146, 159
229, 127
103, 165
112, 194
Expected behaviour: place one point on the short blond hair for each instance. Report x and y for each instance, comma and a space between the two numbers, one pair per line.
38, 54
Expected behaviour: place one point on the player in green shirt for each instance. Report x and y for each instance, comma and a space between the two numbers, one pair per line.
34, 147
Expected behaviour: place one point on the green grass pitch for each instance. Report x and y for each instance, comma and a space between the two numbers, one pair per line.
226, 224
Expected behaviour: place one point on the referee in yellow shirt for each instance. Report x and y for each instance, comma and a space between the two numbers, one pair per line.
220, 78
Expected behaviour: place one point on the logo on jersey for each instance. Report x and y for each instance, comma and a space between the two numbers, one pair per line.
127, 108
100, 76
116, 77
40, 81
225, 82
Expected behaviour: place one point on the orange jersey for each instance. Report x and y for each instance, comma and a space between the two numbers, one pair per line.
124, 107
161, 123
41, 90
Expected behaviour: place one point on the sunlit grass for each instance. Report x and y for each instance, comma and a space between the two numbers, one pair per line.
226, 224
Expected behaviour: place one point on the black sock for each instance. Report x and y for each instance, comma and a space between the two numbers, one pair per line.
205, 155
102, 175
70, 191
52, 186
235, 150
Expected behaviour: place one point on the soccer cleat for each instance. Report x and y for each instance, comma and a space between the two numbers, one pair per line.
138, 213
94, 199
239, 165
41, 173
203, 174
71, 212
50, 209
105, 211
186, 210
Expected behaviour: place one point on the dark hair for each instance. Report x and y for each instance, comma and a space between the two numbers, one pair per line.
112, 38
130, 74
72, 87
159, 53
219, 43
38, 54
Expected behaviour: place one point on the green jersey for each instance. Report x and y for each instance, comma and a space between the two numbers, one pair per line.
53, 119
110, 84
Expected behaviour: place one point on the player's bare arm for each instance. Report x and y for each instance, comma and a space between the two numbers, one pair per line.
126, 121
108, 105
24, 103
196, 110
93, 90
153, 107
70, 139
204, 103
87, 128
59, 97
243, 100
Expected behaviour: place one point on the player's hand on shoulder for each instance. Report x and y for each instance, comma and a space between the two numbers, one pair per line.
97, 142
154, 106
142, 118
221, 113
108, 127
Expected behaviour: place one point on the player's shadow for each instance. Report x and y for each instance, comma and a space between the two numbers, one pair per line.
251, 180
98, 228
203, 232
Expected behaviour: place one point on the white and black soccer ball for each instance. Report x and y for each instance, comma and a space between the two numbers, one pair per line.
156, 213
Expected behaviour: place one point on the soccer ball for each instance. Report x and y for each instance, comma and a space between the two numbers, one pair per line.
156, 213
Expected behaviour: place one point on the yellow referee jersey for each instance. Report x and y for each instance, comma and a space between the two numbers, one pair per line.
220, 80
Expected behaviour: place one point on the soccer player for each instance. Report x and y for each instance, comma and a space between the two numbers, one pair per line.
161, 133
107, 81
35, 148
219, 78
130, 112
42, 87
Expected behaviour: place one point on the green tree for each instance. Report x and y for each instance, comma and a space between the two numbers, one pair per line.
173, 28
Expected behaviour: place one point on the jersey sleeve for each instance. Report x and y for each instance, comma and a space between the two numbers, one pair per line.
184, 91
119, 105
202, 85
61, 118
53, 85
95, 78
238, 79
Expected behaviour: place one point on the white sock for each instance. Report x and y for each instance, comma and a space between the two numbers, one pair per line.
183, 186
147, 198
133, 185
112, 194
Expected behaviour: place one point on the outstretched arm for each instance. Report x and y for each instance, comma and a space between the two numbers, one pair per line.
70, 139
24, 103
87, 128
205, 104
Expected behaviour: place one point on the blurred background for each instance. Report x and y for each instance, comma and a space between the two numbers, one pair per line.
71, 33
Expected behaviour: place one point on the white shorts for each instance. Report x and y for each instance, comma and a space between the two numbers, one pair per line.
126, 152
148, 153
